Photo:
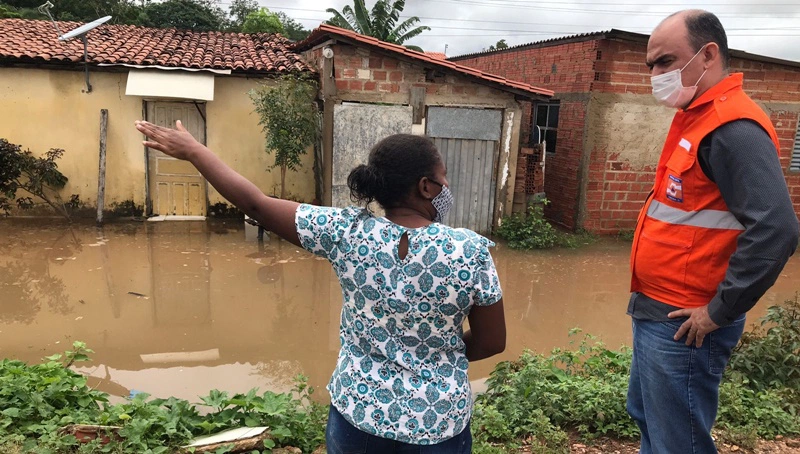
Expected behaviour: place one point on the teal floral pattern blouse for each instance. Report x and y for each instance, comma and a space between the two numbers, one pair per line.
402, 370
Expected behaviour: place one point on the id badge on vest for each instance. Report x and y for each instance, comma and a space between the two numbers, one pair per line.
681, 160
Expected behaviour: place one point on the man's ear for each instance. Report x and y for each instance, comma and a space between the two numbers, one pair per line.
711, 53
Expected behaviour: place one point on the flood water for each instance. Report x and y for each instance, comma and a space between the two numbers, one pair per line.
180, 308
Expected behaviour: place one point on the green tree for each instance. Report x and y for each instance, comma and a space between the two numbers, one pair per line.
122, 11
290, 120
7, 12
239, 10
197, 15
381, 23
293, 30
262, 21
500, 45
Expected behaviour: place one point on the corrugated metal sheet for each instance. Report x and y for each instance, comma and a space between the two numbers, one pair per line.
472, 176
795, 165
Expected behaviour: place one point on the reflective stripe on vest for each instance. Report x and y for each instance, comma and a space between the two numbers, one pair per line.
709, 219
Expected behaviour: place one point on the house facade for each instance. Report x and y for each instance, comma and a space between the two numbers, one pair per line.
49, 100
371, 89
603, 130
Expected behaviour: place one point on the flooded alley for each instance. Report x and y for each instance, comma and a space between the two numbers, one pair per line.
179, 308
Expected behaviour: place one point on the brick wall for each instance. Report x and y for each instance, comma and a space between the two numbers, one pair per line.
566, 68
623, 187
616, 186
357, 70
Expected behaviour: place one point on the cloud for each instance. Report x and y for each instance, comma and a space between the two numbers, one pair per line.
770, 27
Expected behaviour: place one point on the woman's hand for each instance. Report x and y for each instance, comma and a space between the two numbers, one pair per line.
177, 142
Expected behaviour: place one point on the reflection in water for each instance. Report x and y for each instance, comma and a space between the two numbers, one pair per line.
184, 307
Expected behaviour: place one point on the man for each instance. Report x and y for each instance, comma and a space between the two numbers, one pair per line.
713, 236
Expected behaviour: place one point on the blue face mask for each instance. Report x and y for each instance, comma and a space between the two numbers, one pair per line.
443, 202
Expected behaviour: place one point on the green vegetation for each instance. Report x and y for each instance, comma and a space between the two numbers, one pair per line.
532, 403
198, 15
381, 22
38, 177
37, 400
532, 231
290, 120
537, 400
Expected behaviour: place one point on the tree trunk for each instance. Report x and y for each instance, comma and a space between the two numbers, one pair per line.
283, 182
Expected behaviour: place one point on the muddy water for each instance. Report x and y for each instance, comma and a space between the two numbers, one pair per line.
179, 308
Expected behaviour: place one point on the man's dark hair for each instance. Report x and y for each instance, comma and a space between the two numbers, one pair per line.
703, 28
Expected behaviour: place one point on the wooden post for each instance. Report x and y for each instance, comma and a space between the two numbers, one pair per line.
101, 178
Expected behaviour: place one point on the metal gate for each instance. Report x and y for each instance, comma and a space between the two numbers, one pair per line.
468, 140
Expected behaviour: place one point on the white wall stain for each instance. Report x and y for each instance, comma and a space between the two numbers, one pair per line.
509, 129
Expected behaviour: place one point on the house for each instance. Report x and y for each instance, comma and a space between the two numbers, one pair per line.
51, 99
371, 89
603, 130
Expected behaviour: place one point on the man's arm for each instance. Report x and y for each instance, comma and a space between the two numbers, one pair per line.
741, 159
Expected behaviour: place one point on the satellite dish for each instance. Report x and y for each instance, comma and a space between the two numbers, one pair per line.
78, 32
83, 29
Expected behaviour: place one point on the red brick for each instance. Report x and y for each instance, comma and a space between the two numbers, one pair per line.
389, 63
356, 85
375, 62
379, 75
396, 76
341, 84
370, 86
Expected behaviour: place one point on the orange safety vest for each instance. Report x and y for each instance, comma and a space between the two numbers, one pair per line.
685, 234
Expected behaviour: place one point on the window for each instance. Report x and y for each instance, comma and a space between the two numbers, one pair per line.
545, 126
795, 164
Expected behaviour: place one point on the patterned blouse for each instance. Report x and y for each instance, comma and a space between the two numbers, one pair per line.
402, 370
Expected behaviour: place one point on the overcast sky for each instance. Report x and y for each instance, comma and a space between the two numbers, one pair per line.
768, 27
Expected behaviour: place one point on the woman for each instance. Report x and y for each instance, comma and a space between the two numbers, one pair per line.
400, 383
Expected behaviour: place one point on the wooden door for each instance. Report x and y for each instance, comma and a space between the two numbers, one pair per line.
176, 187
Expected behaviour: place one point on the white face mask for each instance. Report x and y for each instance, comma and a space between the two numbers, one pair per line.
669, 90
442, 202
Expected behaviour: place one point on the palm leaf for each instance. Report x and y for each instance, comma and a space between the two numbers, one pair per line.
411, 34
362, 18
404, 31
338, 20
380, 18
416, 48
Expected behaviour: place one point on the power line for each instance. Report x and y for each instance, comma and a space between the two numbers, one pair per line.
587, 11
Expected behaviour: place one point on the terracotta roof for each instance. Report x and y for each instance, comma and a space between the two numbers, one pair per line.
35, 41
320, 34
441, 55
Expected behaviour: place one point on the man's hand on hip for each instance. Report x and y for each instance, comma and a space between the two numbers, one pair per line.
696, 328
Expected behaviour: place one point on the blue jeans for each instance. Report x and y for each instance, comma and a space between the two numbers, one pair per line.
674, 388
342, 437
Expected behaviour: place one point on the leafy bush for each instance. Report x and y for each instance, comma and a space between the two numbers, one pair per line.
769, 356
531, 231
39, 177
